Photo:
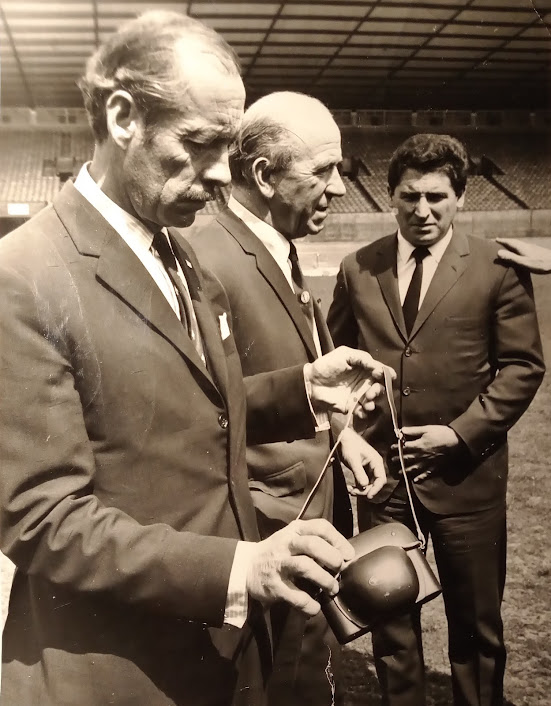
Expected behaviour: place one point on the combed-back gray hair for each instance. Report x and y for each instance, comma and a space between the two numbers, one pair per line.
140, 58
261, 137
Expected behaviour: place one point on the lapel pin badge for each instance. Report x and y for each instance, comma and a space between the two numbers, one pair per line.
305, 297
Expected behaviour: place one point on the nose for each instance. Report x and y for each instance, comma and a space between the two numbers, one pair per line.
336, 186
422, 209
217, 172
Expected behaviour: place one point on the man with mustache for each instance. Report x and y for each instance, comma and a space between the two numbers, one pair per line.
124, 504
460, 329
285, 172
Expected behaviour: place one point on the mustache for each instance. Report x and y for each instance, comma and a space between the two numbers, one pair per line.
200, 195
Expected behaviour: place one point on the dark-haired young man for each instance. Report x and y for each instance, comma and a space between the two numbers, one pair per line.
461, 331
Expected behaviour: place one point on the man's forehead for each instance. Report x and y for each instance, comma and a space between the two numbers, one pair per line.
416, 181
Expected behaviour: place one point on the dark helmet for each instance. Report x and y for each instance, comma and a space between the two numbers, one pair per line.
388, 577
379, 584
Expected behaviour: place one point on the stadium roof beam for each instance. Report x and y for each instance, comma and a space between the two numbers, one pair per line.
360, 22
95, 17
27, 89
311, 43
262, 44
481, 62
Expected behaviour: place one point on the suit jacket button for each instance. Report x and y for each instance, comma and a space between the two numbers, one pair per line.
406, 391
223, 421
408, 352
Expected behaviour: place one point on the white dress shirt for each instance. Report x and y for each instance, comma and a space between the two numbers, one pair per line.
405, 264
139, 239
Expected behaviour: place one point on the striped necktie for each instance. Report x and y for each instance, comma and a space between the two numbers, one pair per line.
162, 247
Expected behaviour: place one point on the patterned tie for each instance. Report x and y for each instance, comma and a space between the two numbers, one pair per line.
187, 315
410, 307
303, 295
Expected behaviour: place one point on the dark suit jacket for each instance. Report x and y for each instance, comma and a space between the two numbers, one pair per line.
123, 486
271, 332
473, 360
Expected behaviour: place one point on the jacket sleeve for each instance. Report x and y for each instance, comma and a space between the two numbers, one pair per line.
277, 404
52, 525
341, 321
518, 359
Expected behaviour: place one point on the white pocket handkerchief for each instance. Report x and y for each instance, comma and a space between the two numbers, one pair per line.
224, 328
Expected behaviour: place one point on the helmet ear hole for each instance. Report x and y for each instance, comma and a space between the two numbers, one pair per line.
378, 584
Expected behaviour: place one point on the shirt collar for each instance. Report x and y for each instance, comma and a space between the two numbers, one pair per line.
127, 226
276, 243
437, 250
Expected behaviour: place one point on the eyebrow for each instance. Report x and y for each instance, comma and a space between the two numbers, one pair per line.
209, 134
326, 164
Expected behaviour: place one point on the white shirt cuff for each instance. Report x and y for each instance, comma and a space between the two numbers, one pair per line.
237, 601
321, 419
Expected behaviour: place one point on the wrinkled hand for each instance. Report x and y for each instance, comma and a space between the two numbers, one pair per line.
425, 448
519, 252
365, 463
310, 550
333, 379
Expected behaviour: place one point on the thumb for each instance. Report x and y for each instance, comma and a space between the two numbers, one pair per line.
414, 432
356, 466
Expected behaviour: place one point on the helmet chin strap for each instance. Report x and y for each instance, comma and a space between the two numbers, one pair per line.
355, 396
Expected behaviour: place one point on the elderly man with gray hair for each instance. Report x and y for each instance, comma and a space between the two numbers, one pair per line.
285, 172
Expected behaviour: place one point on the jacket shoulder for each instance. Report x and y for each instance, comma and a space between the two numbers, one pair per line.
35, 244
365, 255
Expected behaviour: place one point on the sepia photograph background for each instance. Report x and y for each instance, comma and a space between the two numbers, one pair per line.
477, 69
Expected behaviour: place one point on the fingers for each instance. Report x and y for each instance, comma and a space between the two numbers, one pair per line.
510, 256
511, 244
423, 476
311, 551
319, 550
298, 599
325, 530
372, 392
356, 465
379, 478
362, 359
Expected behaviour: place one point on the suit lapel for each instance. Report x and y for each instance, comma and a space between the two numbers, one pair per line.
271, 272
121, 271
388, 280
208, 325
449, 270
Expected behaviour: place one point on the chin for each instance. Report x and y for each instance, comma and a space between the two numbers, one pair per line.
183, 220
314, 228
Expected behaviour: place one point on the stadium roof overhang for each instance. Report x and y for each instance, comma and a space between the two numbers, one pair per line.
379, 53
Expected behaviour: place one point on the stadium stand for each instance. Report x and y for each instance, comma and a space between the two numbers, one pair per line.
511, 167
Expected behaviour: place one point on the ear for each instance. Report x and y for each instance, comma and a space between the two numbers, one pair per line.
461, 200
263, 177
123, 119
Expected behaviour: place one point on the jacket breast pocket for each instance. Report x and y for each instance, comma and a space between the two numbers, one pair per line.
288, 481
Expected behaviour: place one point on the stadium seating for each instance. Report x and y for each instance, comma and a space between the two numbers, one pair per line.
520, 177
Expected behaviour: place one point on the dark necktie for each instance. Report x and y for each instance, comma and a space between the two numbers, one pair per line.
410, 307
303, 295
187, 316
